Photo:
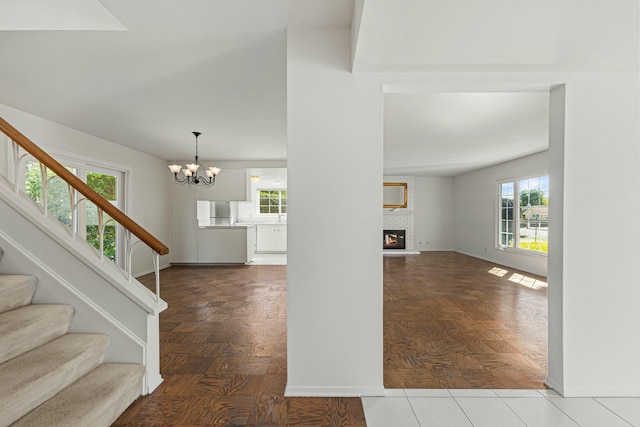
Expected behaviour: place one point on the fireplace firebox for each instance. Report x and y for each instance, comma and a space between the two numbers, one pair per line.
393, 239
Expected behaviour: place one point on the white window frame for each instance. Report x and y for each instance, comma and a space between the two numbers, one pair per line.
279, 190
516, 216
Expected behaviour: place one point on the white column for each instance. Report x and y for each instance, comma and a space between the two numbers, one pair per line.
335, 220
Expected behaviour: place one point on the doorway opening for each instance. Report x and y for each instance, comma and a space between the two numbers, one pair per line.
459, 315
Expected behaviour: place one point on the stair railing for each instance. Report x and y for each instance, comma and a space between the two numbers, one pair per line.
76, 188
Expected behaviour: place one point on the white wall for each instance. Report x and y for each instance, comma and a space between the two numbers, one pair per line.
475, 210
335, 132
148, 179
555, 294
600, 268
334, 294
433, 213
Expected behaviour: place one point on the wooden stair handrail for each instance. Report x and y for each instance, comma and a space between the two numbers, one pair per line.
83, 188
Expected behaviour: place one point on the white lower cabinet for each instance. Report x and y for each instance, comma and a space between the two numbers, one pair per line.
224, 245
272, 238
251, 244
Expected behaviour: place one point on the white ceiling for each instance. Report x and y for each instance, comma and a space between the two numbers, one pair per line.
448, 134
219, 67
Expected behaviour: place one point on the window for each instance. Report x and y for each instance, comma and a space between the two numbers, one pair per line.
107, 182
523, 222
273, 202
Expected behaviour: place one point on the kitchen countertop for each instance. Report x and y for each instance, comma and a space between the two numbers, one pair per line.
265, 223
238, 226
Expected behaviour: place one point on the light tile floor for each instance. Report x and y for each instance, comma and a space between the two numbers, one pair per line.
269, 259
497, 408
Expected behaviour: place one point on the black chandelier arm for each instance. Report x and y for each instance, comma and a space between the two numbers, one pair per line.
183, 180
194, 179
207, 177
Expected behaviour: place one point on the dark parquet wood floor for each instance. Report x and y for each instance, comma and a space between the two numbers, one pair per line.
223, 355
448, 323
453, 321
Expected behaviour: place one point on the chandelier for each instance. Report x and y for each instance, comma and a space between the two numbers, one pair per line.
189, 175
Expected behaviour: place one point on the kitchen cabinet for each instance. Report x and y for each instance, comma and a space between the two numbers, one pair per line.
271, 238
224, 244
251, 243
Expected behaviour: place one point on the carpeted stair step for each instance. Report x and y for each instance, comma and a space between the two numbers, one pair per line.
28, 327
16, 291
33, 377
95, 400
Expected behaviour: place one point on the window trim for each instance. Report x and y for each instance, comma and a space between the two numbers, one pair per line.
516, 249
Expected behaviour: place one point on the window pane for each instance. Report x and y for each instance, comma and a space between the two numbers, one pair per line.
507, 239
506, 188
531, 220
544, 183
273, 201
534, 214
534, 183
58, 202
104, 185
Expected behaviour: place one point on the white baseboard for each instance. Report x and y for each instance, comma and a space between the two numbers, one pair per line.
321, 391
593, 391
398, 252
144, 273
152, 381
601, 392
503, 262
553, 385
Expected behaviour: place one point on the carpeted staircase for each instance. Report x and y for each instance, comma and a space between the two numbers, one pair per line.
49, 377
